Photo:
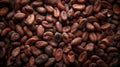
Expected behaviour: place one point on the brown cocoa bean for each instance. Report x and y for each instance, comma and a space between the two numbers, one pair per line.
35, 51
56, 12
89, 47
50, 62
76, 41
71, 56
40, 30
41, 44
16, 52
63, 15
3, 11
30, 19
58, 54
82, 57
78, 6
41, 59
41, 10
19, 16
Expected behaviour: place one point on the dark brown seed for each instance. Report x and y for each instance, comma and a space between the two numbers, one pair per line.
40, 18
93, 65
106, 4
76, 41
3, 11
49, 18
49, 8
81, 1
11, 24
35, 51
2, 43
60, 5
76, 14
48, 35
5, 31
67, 48
2, 52
52, 2
112, 49
105, 26
71, 56
96, 25
24, 57
88, 10
82, 23
56, 12
9, 61
74, 27
100, 16
116, 9
82, 57
30, 19
73, 1
61, 44
58, 37
53, 43
40, 30
15, 43
23, 39
94, 58
93, 37
89, 47
2, 25
17, 3
19, 16
31, 61
27, 9
102, 46
70, 13
92, 19
15, 52
46, 24
14, 36
89, 26
86, 64
37, 3
10, 15
31, 40
24, 2
101, 63
59, 64
100, 52
59, 26
63, 15
114, 62
66, 28
65, 37
85, 36
78, 6
48, 50
28, 31
50, 62
41, 44
19, 30
41, 59
65, 59
58, 54
41, 10
97, 5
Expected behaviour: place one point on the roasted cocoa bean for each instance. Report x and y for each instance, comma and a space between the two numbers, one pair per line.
59, 33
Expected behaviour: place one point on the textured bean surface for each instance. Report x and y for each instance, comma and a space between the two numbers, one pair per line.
59, 33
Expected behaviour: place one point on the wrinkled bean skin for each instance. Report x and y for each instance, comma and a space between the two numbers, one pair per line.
59, 33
